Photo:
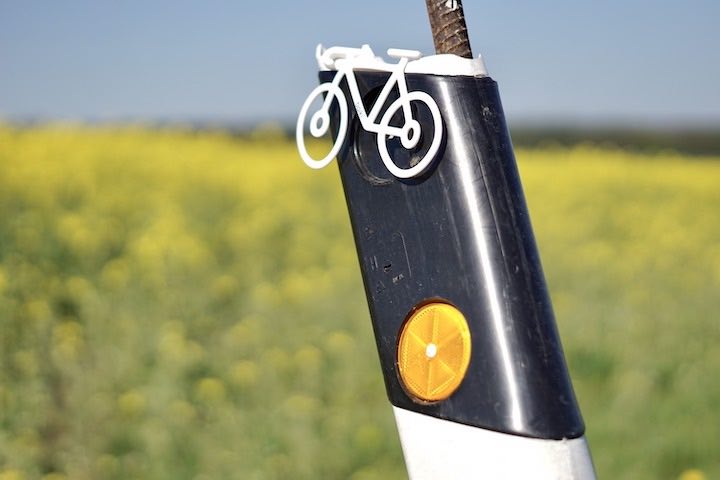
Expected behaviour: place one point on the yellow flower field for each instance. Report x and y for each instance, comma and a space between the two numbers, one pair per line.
188, 305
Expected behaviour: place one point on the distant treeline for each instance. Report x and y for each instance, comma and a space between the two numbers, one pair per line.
686, 140
693, 142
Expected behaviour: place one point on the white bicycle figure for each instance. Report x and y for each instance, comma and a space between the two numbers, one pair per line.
345, 61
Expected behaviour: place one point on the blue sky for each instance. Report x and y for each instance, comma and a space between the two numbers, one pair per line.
634, 61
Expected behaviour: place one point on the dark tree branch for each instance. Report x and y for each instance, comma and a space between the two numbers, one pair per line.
447, 22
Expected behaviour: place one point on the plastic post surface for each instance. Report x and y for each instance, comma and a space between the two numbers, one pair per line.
459, 233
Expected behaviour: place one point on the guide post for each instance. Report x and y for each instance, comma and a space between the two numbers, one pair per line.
465, 331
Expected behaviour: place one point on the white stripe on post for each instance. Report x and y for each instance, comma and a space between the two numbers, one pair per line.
438, 449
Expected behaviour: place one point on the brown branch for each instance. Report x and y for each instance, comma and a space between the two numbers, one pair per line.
447, 22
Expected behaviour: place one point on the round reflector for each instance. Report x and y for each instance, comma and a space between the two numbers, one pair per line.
434, 351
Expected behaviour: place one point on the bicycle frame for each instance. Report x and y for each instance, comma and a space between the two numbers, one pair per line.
369, 120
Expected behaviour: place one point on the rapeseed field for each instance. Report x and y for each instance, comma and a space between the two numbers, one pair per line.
188, 305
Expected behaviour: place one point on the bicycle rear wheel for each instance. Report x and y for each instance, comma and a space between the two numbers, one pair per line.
421, 165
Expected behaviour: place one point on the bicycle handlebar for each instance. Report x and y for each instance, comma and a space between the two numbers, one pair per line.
327, 57
400, 53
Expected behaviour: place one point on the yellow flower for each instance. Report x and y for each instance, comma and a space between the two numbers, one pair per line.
339, 342
301, 405
174, 346
38, 310
244, 373
54, 476
26, 362
246, 332
107, 464
210, 390
78, 286
11, 475
308, 359
276, 359
224, 287
692, 474
132, 403
368, 438
67, 341
182, 411
116, 273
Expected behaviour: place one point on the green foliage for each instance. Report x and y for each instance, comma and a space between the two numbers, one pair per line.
188, 306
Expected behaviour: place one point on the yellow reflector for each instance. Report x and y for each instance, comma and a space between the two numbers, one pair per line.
434, 351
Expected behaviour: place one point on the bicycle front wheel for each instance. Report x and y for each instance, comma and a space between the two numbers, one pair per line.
320, 123
419, 166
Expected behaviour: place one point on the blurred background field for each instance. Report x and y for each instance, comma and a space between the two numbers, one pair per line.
177, 304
